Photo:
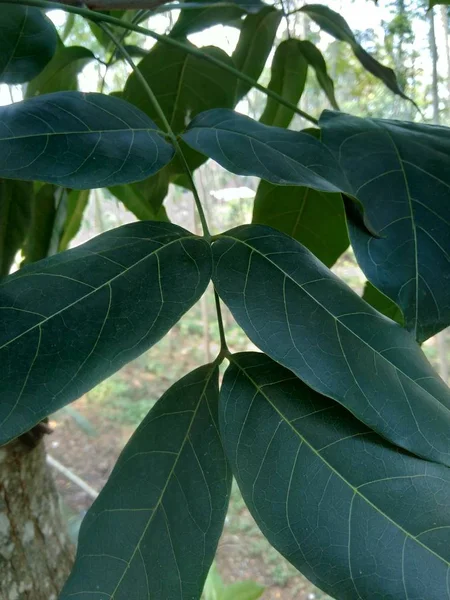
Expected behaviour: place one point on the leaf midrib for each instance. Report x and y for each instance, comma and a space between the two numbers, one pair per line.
336, 319
96, 289
344, 479
89, 131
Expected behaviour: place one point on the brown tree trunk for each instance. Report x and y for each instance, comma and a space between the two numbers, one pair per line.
35, 553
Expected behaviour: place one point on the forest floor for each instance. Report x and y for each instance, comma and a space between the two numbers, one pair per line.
88, 438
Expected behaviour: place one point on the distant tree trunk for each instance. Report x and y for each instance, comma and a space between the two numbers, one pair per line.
434, 59
35, 553
444, 17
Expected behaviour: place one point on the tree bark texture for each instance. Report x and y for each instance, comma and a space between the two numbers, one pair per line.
35, 552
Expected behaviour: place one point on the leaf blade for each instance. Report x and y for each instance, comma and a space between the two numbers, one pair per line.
51, 353
173, 474
66, 137
27, 43
335, 506
330, 338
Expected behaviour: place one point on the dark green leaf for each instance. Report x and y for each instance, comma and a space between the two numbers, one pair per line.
79, 141
307, 319
399, 173
71, 320
246, 147
289, 70
315, 58
192, 20
154, 529
61, 73
253, 48
359, 517
316, 219
76, 203
43, 216
334, 24
16, 198
183, 84
382, 303
27, 42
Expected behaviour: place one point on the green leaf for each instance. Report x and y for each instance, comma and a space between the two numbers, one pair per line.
382, 303
246, 147
61, 73
215, 589
399, 173
154, 529
307, 319
192, 20
73, 319
316, 219
315, 58
43, 217
145, 202
27, 43
16, 198
335, 25
79, 141
289, 70
359, 517
76, 205
183, 84
254, 46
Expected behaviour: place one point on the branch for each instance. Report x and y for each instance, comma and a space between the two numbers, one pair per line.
114, 4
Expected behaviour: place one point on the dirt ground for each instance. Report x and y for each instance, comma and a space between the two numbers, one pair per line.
243, 552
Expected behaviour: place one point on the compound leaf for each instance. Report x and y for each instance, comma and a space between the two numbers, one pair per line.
359, 517
154, 529
398, 171
316, 219
307, 319
28, 41
71, 320
289, 70
80, 141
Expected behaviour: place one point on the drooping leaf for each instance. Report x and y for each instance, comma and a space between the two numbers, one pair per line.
154, 529
382, 303
76, 204
258, 33
16, 198
183, 84
359, 517
61, 73
196, 19
398, 171
289, 70
316, 219
40, 232
27, 42
79, 141
315, 58
246, 147
334, 24
71, 320
307, 319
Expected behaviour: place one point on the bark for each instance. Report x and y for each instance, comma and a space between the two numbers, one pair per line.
35, 552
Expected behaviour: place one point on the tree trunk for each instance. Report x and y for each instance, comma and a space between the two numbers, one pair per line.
35, 553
